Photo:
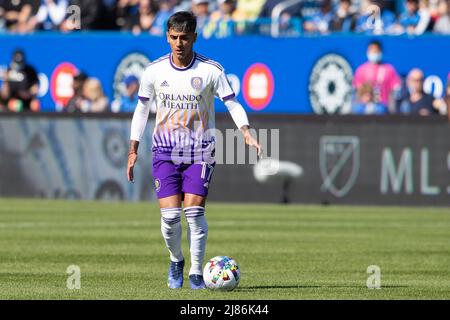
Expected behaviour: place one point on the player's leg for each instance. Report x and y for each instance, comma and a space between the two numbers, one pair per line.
171, 225
168, 190
197, 234
196, 179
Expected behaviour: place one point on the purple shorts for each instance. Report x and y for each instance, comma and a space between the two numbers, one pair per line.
171, 179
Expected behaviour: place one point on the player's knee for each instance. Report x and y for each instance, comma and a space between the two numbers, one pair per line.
170, 216
195, 217
193, 200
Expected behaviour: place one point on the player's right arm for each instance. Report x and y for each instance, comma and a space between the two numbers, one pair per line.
139, 121
138, 124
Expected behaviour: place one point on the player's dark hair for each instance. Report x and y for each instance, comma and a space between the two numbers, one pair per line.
376, 43
182, 21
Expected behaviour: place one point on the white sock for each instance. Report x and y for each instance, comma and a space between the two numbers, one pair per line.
197, 235
171, 231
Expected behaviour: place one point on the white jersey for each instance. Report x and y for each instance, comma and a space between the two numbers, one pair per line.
184, 101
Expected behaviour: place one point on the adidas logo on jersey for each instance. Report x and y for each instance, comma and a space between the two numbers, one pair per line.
164, 84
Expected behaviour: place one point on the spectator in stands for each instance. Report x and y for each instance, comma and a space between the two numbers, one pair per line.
107, 15
225, 10
269, 5
366, 104
182, 5
377, 21
435, 7
2, 103
2, 16
21, 85
345, 17
126, 11
443, 104
50, 15
74, 104
94, 100
18, 14
286, 24
89, 11
321, 21
415, 100
251, 9
145, 17
200, 8
415, 21
222, 21
382, 76
127, 102
442, 24
166, 9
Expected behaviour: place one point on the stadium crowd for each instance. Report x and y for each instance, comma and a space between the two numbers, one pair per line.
377, 86
221, 18
378, 89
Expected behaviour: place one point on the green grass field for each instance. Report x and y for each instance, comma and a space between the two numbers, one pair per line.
285, 252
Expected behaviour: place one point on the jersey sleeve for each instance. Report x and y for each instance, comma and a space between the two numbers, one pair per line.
146, 87
222, 88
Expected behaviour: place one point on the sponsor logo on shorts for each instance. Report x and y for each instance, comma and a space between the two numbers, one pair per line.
157, 185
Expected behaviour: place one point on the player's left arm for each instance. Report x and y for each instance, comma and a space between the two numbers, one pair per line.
240, 118
224, 91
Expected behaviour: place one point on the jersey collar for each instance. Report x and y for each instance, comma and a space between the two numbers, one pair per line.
185, 68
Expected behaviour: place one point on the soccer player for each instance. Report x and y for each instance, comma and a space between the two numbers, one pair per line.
181, 87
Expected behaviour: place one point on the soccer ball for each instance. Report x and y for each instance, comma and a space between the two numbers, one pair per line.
221, 273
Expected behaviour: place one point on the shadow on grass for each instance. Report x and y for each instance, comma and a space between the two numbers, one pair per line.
252, 288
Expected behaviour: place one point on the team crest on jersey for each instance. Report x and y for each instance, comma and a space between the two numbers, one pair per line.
157, 185
197, 83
